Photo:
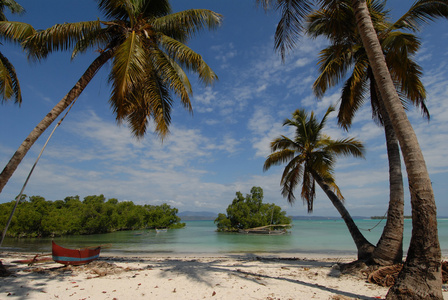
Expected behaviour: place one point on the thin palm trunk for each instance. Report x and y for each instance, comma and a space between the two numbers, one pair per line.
73, 94
389, 249
421, 275
364, 247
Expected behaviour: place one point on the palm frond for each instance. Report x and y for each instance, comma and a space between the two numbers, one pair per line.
162, 109
129, 66
346, 147
15, 31
59, 37
126, 9
353, 94
300, 122
405, 72
375, 98
291, 177
290, 26
188, 59
150, 100
9, 83
401, 42
278, 158
330, 181
183, 25
282, 143
334, 62
97, 40
308, 193
168, 71
422, 12
156, 8
321, 160
183, 78
322, 123
13, 6
332, 22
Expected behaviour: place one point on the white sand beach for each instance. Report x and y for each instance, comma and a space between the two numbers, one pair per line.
230, 276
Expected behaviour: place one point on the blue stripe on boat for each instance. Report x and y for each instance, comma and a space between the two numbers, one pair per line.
66, 258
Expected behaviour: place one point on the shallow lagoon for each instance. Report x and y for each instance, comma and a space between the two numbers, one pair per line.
200, 237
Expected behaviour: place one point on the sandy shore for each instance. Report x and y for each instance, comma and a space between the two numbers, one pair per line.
188, 277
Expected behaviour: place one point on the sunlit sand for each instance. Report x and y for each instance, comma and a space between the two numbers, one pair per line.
232, 276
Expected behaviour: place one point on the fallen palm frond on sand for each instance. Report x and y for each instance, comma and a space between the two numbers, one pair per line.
386, 276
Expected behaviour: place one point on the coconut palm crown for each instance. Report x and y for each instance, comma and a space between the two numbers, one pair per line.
310, 156
346, 53
145, 42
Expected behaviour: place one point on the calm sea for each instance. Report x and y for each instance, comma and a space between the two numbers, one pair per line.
315, 236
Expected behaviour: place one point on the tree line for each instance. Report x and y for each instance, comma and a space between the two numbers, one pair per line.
37, 217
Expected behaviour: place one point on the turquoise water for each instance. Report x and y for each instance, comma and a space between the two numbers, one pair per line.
315, 236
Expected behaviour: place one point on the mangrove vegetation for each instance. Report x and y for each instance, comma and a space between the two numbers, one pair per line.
37, 217
250, 212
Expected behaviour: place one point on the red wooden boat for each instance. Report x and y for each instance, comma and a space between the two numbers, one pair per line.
74, 256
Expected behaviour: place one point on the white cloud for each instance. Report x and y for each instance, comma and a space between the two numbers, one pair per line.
206, 98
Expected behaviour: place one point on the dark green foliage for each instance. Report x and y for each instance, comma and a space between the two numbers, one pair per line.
249, 212
37, 217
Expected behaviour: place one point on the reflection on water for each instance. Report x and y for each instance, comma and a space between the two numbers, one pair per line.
327, 236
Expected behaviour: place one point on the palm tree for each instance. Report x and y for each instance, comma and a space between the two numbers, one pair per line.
9, 83
145, 43
347, 52
310, 158
421, 275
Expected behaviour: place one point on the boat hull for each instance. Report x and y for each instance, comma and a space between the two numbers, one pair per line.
74, 256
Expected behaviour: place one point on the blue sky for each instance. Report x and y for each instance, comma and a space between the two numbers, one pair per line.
221, 148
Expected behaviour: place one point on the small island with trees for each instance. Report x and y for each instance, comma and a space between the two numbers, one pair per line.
37, 217
250, 215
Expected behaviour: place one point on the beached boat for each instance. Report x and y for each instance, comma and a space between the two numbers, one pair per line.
268, 229
74, 256
159, 230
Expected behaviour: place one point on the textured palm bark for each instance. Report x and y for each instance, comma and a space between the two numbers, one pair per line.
389, 249
421, 276
73, 94
364, 247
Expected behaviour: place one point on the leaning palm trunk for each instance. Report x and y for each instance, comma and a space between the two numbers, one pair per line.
364, 247
389, 249
421, 276
73, 94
